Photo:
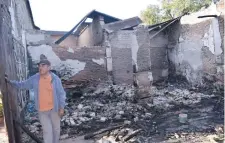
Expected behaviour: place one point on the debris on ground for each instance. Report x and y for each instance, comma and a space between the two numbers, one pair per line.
151, 119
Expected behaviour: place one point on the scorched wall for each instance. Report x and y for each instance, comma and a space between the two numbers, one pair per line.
195, 49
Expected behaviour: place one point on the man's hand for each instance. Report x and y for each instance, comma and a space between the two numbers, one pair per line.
6, 78
61, 112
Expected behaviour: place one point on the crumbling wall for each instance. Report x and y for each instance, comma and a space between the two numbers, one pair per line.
195, 51
87, 64
79, 64
129, 51
93, 34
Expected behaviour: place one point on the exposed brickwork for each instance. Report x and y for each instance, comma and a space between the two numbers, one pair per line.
93, 73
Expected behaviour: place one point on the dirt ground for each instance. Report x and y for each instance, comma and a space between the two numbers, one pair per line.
3, 134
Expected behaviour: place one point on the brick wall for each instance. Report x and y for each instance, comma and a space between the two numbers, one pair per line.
158, 55
81, 65
143, 53
94, 71
121, 46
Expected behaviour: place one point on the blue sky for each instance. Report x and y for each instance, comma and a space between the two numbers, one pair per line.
62, 15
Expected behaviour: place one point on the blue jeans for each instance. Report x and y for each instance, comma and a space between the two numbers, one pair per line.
50, 122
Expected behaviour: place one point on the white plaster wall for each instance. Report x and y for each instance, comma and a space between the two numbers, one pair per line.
134, 49
217, 36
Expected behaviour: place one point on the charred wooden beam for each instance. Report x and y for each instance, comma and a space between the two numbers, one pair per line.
131, 135
91, 135
204, 16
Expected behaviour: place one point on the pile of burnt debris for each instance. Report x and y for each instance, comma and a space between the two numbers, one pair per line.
113, 113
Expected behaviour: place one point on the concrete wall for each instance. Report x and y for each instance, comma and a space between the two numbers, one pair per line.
195, 49
93, 34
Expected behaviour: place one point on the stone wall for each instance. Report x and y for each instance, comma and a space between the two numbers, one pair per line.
93, 34
195, 49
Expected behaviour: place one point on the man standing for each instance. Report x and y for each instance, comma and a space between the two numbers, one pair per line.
49, 98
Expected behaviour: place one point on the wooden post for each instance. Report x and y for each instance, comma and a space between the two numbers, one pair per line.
7, 65
8, 114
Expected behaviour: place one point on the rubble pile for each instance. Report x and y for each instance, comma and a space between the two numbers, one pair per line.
109, 104
105, 104
167, 98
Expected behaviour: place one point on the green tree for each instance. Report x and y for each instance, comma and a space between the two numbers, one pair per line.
171, 9
175, 8
151, 15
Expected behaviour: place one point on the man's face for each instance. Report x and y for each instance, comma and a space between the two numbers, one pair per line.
43, 69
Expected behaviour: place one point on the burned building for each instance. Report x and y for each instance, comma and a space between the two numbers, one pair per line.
127, 52
104, 50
